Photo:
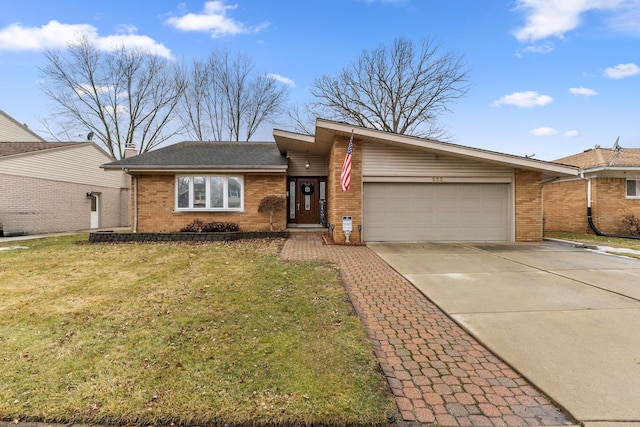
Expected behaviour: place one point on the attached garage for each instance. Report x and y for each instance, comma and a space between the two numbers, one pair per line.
406, 188
414, 194
436, 212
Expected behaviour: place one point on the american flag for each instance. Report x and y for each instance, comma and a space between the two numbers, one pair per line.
345, 175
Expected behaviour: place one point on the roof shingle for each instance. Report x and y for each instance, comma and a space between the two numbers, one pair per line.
11, 148
601, 157
198, 154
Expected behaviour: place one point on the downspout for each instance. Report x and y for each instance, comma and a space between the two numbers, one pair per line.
135, 204
590, 218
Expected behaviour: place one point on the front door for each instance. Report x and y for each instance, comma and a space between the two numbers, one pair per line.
307, 201
306, 195
95, 211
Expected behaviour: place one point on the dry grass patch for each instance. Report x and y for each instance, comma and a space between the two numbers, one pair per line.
190, 334
614, 242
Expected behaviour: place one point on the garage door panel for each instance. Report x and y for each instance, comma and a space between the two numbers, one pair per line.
436, 212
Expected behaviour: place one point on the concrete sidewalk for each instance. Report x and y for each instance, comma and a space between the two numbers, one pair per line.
566, 318
437, 372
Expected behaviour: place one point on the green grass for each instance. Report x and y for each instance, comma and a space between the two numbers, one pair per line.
186, 334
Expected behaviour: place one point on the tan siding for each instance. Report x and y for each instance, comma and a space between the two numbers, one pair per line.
317, 164
78, 164
11, 131
383, 160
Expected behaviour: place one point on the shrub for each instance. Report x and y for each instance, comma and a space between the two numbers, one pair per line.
199, 226
630, 225
271, 204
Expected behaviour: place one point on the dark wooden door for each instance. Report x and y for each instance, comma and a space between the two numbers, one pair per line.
307, 201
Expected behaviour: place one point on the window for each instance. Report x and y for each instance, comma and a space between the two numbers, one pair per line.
209, 192
633, 188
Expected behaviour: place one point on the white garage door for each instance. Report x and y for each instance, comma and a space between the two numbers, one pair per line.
396, 212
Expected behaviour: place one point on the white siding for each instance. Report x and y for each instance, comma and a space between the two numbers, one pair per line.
12, 131
78, 164
385, 162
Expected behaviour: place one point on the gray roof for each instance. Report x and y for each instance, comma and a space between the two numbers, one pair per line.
206, 155
11, 148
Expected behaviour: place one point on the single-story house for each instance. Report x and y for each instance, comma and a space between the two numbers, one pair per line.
49, 187
403, 188
609, 184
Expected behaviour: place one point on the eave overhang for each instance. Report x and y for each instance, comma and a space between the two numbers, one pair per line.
327, 130
177, 169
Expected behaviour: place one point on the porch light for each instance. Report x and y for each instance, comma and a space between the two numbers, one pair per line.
307, 165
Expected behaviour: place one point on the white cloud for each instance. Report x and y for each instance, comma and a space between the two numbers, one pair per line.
582, 91
214, 20
87, 89
543, 131
144, 43
621, 71
526, 99
571, 133
627, 18
554, 18
282, 79
54, 35
542, 49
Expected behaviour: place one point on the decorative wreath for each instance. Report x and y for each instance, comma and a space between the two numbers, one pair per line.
307, 189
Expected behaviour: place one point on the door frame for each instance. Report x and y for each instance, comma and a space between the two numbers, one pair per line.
94, 211
296, 198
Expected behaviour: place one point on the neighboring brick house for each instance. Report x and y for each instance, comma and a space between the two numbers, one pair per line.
403, 188
48, 187
609, 183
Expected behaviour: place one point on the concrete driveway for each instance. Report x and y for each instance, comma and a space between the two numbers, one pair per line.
568, 319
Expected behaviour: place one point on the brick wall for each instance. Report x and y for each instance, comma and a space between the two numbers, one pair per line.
37, 206
609, 204
156, 205
565, 206
348, 203
528, 206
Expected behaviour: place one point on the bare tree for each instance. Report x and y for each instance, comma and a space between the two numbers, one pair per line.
124, 97
227, 100
401, 88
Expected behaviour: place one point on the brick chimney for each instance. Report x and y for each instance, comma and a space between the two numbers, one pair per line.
130, 150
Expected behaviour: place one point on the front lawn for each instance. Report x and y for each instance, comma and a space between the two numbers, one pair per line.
180, 333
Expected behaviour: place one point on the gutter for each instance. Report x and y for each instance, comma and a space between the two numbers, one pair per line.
200, 169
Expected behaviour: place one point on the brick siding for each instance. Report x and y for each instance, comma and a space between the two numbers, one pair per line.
565, 205
37, 206
528, 206
347, 203
156, 205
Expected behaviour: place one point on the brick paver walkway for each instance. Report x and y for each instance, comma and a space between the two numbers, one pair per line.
437, 372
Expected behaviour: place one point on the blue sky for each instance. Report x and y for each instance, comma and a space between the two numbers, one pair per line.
550, 77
